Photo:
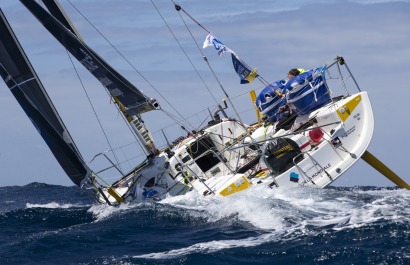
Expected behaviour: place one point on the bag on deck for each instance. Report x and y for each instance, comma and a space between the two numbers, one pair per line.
270, 99
307, 91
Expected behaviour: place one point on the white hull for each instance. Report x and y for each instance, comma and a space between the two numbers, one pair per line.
226, 157
347, 125
338, 151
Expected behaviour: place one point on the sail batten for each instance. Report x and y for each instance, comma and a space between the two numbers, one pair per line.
23, 82
133, 100
19, 84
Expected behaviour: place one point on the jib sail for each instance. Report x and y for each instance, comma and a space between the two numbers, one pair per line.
19, 75
133, 100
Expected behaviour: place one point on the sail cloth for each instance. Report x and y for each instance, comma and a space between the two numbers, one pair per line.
133, 100
270, 99
20, 77
245, 73
54, 8
307, 92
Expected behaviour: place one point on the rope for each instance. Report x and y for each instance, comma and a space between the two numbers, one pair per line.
92, 107
178, 8
95, 113
183, 50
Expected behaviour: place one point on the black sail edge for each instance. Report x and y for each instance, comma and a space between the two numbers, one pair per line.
20, 77
55, 10
134, 101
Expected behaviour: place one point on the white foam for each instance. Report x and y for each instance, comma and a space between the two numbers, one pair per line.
212, 246
52, 205
268, 208
103, 211
255, 206
286, 214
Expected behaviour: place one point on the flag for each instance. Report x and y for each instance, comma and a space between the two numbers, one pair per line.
218, 45
245, 73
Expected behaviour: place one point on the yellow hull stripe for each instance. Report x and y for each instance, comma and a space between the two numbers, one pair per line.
239, 185
345, 111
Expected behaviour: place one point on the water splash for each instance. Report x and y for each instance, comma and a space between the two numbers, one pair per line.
288, 214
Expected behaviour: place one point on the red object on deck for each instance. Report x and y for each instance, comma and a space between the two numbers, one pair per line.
316, 135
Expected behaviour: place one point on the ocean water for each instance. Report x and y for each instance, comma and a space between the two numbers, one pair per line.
48, 224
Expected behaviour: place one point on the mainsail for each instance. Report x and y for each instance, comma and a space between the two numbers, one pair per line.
20, 77
56, 10
132, 99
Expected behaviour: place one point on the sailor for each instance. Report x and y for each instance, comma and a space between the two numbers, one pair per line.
286, 113
271, 102
295, 72
306, 90
291, 74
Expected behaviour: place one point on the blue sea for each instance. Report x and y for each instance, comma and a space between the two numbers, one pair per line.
48, 224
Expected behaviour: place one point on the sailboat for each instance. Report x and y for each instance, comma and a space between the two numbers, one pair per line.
311, 132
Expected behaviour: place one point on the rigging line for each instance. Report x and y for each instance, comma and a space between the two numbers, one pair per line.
177, 7
183, 50
206, 118
125, 145
142, 76
263, 80
175, 119
180, 122
129, 128
92, 106
196, 114
240, 95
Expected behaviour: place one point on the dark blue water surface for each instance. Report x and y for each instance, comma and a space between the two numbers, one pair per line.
47, 224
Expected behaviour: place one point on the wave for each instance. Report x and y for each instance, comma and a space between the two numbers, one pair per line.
191, 227
102, 212
54, 205
212, 246
288, 214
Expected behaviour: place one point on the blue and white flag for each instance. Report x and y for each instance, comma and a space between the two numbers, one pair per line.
245, 73
218, 45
